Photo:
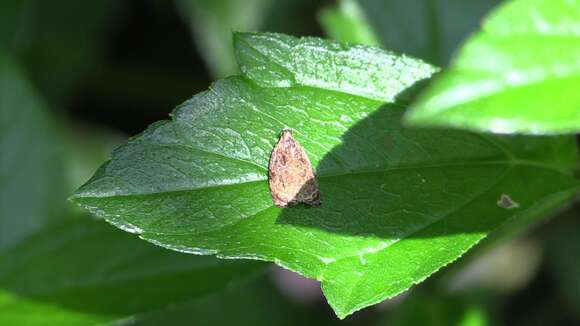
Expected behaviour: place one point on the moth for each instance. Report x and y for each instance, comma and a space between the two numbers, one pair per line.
290, 174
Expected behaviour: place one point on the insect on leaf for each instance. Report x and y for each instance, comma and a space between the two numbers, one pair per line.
290, 174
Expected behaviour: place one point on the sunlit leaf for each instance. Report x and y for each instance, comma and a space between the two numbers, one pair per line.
519, 74
397, 203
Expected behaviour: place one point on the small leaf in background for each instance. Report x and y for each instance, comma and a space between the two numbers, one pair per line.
198, 183
55, 56
494, 270
86, 148
250, 303
562, 258
519, 74
427, 29
14, 27
212, 23
83, 271
426, 309
347, 23
32, 180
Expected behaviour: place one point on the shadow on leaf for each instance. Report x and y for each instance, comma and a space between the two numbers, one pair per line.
397, 181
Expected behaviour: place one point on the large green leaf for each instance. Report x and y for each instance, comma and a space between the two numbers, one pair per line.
520, 73
32, 187
83, 272
398, 203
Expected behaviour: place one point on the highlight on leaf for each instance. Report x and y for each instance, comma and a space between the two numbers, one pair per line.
518, 74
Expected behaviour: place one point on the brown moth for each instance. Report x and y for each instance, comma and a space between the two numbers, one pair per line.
290, 174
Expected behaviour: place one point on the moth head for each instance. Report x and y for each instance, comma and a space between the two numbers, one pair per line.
285, 133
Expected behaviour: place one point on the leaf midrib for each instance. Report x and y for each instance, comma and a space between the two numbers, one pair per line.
320, 277
509, 167
508, 162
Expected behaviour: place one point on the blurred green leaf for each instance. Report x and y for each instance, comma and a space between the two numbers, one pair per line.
212, 23
32, 182
59, 270
86, 148
83, 271
14, 25
282, 17
438, 310
493, 269
347, 23
562, 257
256, 303
474, 316
57, 42
519, 74
198, 183
428, 29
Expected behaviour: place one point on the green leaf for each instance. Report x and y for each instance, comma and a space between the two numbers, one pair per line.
13, 27
83, 271
427, 29
32, 187
232, 307
39, 34
348, 23
352, 69
422, 308
562, 262
398, 203
86, 148
519, 74
212, 23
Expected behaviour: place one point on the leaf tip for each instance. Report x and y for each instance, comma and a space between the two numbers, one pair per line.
239, 36
244, 39
75, 197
